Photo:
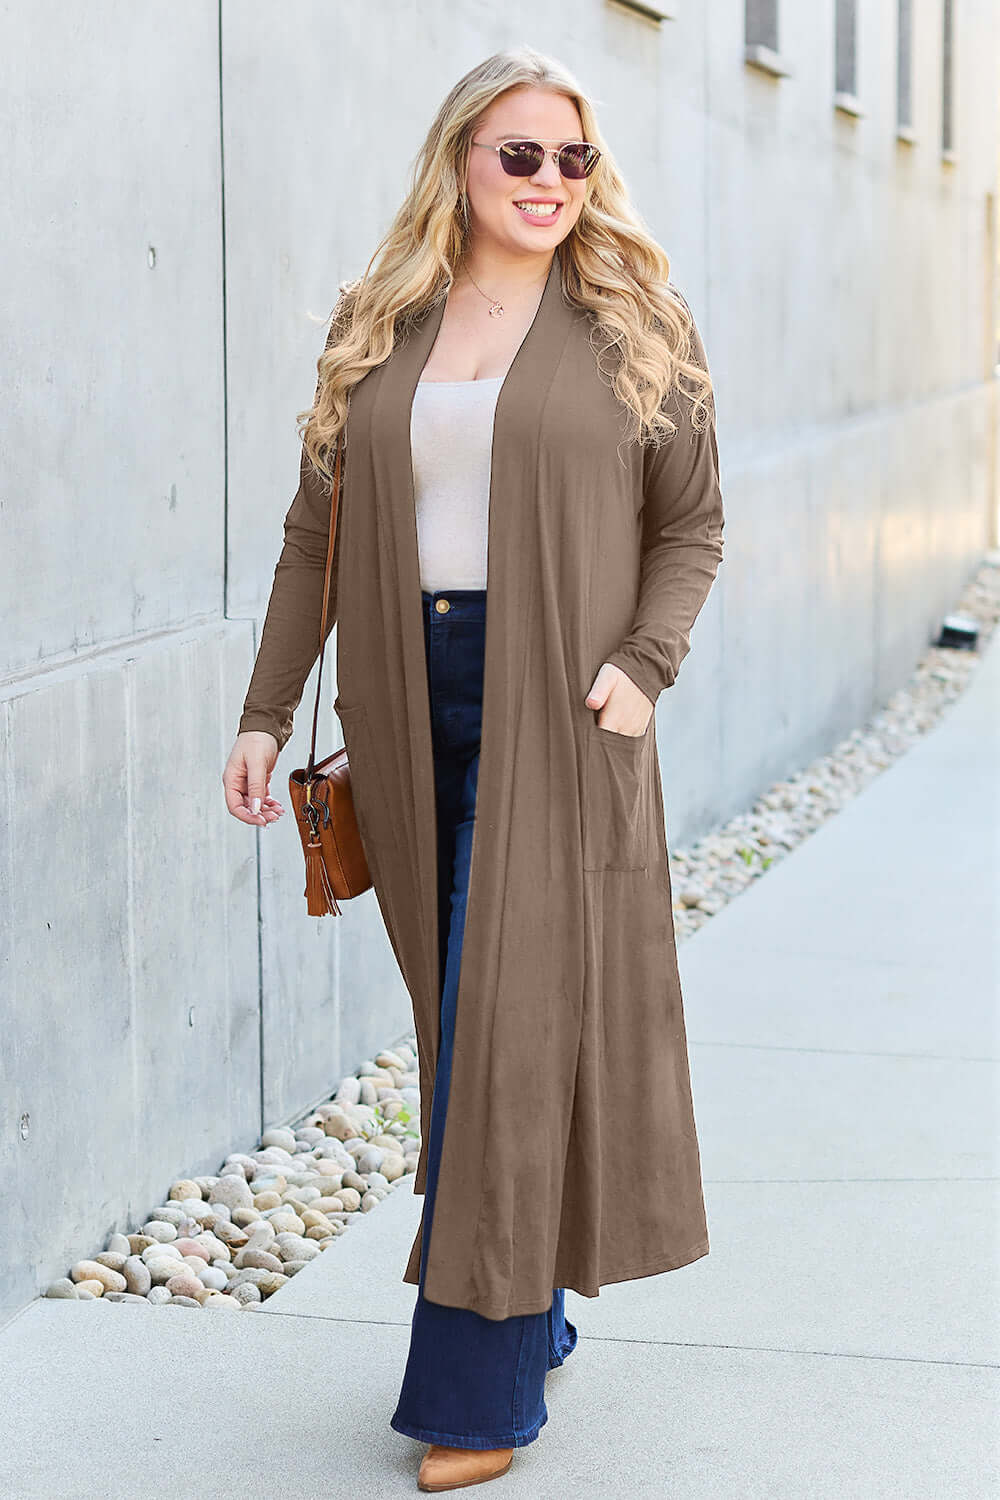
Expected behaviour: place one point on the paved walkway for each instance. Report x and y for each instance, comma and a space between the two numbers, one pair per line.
841, 1338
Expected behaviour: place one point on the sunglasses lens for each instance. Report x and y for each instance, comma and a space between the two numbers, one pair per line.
578, 160
521, 158
524, 158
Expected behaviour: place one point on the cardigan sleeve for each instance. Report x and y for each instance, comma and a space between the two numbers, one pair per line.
289, 642
681, 544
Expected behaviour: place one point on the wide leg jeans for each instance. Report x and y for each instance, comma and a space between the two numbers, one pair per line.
470, 1381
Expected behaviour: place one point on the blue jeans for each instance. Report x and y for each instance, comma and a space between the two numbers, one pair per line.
470, 1381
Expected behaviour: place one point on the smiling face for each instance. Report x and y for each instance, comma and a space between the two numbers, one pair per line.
523, 214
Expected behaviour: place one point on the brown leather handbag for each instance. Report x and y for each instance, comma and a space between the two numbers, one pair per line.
336, 866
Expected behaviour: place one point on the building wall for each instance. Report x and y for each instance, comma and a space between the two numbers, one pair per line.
185, 189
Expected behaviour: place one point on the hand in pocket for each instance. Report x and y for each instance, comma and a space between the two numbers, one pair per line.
624, 708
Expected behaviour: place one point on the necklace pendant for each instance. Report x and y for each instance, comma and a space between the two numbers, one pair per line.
496, 309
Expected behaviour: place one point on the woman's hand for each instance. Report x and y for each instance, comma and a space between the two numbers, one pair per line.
247, 778
627, 709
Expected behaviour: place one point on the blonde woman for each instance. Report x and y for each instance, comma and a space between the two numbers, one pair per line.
531, 522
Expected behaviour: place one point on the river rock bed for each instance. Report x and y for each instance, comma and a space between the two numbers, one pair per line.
234, 1239
719, 866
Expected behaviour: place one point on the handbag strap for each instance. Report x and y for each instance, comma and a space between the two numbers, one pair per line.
334, 507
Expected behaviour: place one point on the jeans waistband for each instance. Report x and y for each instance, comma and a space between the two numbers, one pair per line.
463, 604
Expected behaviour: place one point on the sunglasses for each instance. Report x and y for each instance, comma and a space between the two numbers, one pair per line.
524, 158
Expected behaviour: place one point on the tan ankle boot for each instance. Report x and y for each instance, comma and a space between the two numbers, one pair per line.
445, 1468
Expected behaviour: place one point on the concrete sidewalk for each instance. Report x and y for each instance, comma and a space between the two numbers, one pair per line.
841, 1338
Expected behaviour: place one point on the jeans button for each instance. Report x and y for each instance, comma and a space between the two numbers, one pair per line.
442, 606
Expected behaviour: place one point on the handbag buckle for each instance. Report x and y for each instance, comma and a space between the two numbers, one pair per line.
317, 813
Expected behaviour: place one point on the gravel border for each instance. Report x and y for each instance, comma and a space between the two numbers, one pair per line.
723, 863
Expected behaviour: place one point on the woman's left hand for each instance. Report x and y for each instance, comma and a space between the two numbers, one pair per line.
627, 710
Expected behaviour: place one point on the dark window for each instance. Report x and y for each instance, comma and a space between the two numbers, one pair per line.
904, 64
762, 23
846, 81
947, 100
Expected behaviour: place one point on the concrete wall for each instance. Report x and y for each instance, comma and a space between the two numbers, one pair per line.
185, 187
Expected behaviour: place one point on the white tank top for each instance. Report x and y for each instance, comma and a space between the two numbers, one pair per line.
451, 439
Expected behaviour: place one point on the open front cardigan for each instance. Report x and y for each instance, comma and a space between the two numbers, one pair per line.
570, 1041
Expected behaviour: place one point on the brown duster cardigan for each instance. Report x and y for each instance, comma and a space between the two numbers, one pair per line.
570, 1040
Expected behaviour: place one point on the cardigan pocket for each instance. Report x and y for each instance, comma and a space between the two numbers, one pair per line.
617, 812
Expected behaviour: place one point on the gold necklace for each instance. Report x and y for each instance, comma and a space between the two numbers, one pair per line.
496, 306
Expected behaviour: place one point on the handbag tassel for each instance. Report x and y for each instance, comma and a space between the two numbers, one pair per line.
320, 899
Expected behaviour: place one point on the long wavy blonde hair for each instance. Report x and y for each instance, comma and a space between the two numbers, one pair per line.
611, 266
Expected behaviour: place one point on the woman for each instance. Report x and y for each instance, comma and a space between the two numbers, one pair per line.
530, 408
